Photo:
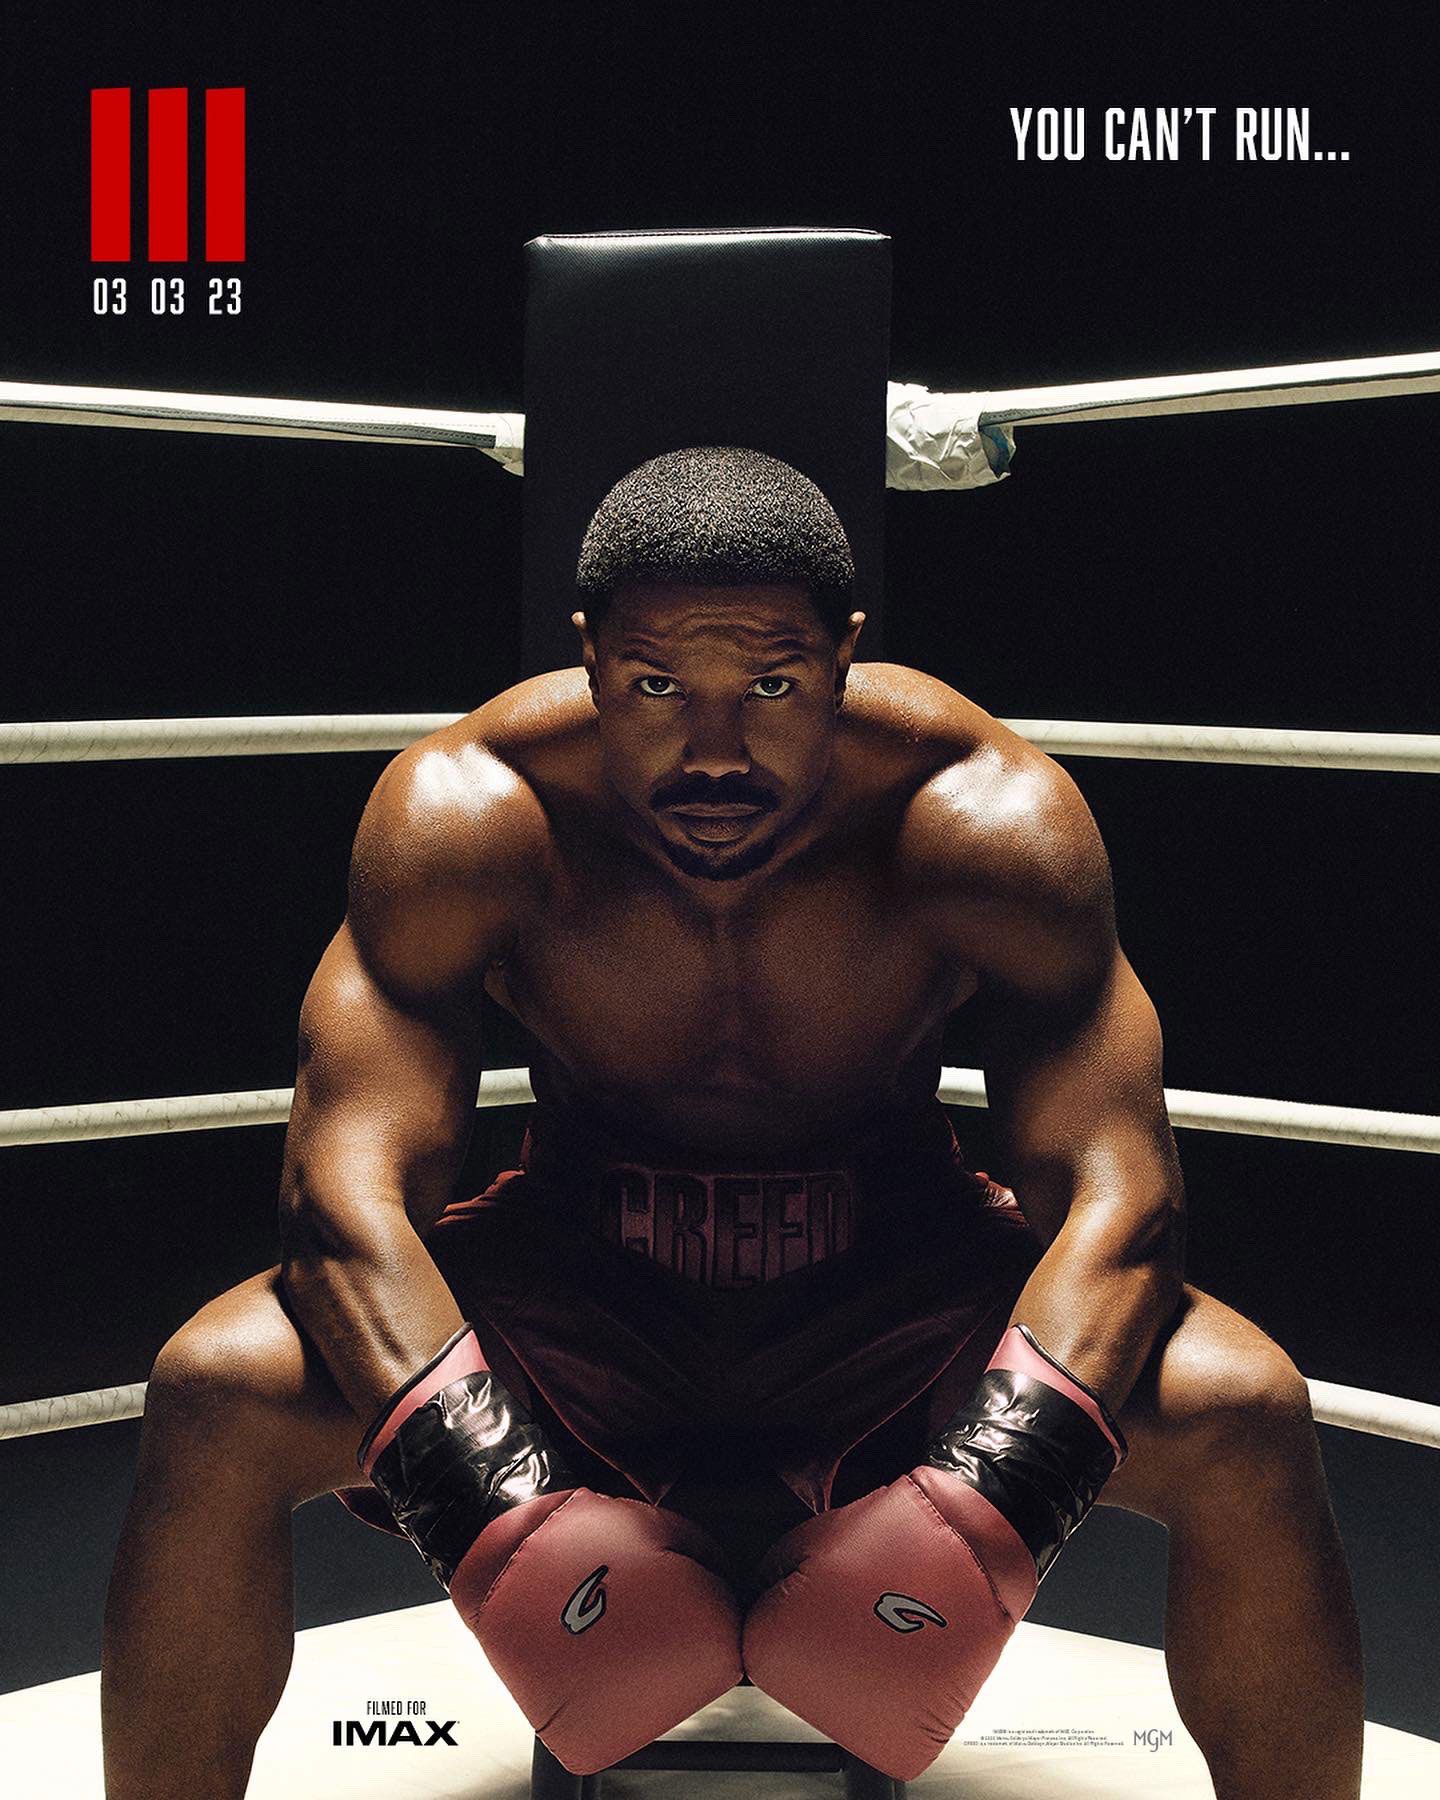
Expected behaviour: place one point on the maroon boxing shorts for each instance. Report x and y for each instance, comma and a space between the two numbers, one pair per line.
666, 1320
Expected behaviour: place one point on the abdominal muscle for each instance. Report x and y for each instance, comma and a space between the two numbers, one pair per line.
718, 1092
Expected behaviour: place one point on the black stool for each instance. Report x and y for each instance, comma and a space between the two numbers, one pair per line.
551, 1780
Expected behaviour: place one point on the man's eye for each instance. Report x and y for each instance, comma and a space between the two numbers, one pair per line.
657, 687
771, 687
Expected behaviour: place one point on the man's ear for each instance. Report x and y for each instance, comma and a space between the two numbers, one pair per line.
587, 653
844, 655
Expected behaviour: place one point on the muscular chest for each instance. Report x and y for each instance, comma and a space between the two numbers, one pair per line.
825, 983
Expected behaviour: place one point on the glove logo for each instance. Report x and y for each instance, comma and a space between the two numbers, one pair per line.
587, 1603
901, 1612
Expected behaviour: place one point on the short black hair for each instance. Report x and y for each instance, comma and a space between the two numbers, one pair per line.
722, 516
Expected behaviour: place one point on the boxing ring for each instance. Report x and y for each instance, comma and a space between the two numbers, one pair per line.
933, 441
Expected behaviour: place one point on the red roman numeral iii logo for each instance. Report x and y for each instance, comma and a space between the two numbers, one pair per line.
167, 170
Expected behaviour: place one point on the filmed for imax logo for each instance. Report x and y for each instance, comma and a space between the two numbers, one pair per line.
387, 1734
167, 175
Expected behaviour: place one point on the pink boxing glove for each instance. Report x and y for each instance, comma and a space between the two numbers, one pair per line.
606, 1619
881, 1620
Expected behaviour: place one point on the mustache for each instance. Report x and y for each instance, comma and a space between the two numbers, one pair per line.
700, 791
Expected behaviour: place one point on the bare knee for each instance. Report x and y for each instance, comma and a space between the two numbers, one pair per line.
1220, 1413
238, 1351
1256, 1402
240, 1383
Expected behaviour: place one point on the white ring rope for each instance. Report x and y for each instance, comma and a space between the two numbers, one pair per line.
1356, 1409
1226, 390
1248, 1117
509, 1087
940, 448
1304, 1123
1404, 752
1381, 1415
63, 1412
118, 740
198, 1112
499, 435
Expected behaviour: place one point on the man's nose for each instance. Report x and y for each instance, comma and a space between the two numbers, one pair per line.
715, 742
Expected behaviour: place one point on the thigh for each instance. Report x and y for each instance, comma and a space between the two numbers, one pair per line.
1213, 1383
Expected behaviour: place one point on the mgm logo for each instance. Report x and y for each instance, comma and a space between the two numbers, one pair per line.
1153, 1738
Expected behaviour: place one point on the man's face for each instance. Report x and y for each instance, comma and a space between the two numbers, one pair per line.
717, 715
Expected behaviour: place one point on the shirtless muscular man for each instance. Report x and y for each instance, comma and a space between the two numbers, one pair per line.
743, 1369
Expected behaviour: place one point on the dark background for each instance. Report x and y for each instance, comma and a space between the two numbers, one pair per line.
1269, 568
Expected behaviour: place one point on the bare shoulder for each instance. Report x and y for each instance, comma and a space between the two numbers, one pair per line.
450, 853
539, 726
998, 834
982, 801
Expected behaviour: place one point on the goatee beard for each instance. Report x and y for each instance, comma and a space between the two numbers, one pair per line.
694, 862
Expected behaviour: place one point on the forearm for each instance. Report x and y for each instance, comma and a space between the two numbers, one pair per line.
1101, 1293
367, 1293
